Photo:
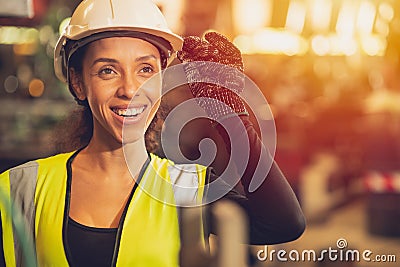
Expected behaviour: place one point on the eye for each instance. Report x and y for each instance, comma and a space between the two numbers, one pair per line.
147, 69
106, 71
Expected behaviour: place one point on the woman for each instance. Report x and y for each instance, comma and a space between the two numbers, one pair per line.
89, 207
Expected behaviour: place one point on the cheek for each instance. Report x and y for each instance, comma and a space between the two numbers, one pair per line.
155, 104
154, 96
153, 89
98, 93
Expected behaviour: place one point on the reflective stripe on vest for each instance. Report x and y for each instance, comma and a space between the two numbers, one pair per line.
19, 184
150, 231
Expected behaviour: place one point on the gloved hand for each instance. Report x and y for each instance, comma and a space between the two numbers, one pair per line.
219, 82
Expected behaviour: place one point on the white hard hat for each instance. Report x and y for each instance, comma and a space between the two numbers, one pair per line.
96, 19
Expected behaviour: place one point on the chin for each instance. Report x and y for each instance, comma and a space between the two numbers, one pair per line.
132, 136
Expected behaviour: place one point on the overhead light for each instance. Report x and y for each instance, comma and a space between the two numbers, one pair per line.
320, 45
272, 41
18, 35
345, 25
251, 15
386, 11
296, 17
321, 15
373, 45
366, 18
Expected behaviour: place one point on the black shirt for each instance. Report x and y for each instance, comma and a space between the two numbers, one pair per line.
90, 246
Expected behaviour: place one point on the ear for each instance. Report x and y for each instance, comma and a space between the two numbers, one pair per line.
76, 83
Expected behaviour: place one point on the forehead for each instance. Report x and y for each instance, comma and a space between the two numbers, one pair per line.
122, 46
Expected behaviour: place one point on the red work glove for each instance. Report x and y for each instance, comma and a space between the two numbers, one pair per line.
219, 82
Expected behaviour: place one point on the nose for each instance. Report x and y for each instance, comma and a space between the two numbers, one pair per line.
129, 87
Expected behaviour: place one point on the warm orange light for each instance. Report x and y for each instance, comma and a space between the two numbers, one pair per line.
366, 17
345, 24
322, 68
245, 43
373, 45
280, 41
251, 15
386, 11
36, 88
360, 27
296, 17
320, 14
25, 49
382, 27
343, 45
320, 45
170, 9
273, 41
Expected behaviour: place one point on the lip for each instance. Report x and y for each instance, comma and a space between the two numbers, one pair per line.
129, 120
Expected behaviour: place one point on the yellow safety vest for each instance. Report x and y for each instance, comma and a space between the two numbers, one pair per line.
149, 230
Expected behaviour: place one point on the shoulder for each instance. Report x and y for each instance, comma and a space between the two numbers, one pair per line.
31, 167
155, 159
56, 160
171, 165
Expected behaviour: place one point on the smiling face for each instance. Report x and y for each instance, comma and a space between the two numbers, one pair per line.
114, 71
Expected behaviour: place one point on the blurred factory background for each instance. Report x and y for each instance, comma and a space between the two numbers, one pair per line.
329, 69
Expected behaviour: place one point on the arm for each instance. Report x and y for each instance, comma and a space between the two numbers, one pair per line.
274, 213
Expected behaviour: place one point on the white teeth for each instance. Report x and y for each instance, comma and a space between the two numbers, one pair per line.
130, 112
121, 112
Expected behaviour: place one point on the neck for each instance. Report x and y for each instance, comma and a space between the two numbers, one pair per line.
121, 161
135, 155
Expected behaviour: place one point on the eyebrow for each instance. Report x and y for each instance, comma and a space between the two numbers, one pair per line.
104, 59
111, 60
147, 57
